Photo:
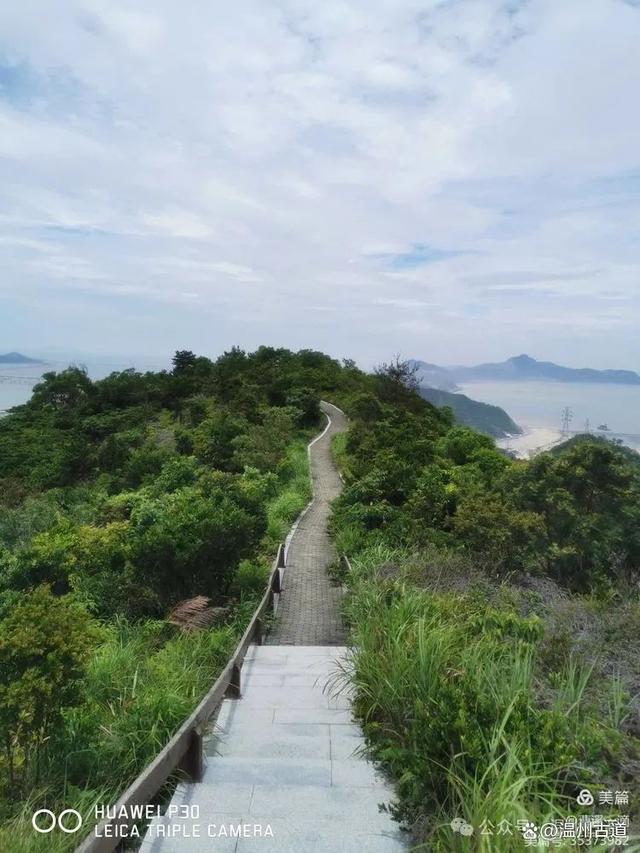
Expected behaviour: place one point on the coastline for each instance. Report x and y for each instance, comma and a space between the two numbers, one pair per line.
532, 440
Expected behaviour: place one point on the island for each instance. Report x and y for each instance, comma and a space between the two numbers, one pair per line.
17, 358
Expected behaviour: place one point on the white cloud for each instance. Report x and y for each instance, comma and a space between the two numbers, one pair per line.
255, 161
175, 222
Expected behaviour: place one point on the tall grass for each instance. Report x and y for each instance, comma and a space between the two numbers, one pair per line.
618, 704
339, 453
446, 687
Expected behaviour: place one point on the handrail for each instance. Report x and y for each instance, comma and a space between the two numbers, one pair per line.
184, 750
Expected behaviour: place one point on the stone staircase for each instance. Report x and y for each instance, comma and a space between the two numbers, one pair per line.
284, 773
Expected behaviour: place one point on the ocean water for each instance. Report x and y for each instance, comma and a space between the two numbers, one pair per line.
16, 382
540, 405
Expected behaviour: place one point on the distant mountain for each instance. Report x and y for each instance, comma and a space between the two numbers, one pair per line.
18, 358
434, 376
523, 368
491, 420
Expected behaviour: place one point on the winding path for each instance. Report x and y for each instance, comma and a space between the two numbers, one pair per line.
309, 608
284, 767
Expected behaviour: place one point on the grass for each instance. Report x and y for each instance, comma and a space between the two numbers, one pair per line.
455, 704
339, 452
618, 702
294, 496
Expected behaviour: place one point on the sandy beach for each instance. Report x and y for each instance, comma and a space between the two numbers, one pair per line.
532, 441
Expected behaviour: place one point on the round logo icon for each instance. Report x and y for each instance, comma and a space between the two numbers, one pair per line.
44, 821
585, 797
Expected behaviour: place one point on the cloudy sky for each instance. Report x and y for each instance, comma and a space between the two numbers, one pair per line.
456, 180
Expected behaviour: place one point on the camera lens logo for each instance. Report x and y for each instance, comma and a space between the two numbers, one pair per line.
44, 821
585, 797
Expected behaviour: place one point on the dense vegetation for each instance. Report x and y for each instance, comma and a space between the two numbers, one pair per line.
495, 616
484, 417
492, 602
120, 499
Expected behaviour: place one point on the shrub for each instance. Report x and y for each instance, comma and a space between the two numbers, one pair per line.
305, 401
144, 464
264, 445
185, 544
44, 645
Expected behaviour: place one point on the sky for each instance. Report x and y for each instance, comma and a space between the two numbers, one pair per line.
451, 180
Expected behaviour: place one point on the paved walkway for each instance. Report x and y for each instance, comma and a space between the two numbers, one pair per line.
284, 773
308, 610
284, 770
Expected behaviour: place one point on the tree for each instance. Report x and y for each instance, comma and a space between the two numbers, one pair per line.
306, 401
433, 500
213, 439
183, 360
229, 371
44, 644
400, 372
145, 463
63, 391
589, 497
49, 558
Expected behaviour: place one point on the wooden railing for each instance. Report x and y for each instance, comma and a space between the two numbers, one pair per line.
184, 751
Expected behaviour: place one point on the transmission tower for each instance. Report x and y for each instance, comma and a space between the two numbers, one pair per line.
567, 417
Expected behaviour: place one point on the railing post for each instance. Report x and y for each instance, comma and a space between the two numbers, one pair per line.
276, 583
235, 682
192, 762
258, 632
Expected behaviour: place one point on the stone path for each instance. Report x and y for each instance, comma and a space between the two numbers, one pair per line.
284, 770
308, 610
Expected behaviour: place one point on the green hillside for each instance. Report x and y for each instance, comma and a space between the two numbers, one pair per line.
484, 417
493, 605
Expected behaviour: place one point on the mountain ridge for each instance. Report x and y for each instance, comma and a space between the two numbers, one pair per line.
485, 417
518, 368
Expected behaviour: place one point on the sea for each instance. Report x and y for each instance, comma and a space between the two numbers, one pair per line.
17, 381
538, 408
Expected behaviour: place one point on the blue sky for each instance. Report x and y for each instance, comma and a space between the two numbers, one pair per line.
455, 180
